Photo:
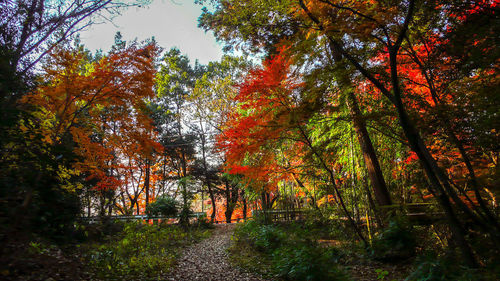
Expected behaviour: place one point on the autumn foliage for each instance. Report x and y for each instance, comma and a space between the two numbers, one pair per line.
99, 107
259, 123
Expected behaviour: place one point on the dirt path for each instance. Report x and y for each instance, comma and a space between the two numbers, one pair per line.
208, 260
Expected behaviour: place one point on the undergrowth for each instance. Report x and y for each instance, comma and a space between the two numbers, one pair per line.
140, 252
284, 252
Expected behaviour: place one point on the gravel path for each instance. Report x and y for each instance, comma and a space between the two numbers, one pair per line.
208, 260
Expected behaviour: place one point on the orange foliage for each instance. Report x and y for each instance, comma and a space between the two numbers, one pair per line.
259, 121
100, 105
220, 210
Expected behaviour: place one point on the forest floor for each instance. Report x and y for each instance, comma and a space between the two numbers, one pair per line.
208, 260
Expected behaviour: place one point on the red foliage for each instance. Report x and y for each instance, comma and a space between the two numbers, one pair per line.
248, 136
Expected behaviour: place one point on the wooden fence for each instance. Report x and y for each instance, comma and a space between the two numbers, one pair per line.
96, 219
417, 213
281, 215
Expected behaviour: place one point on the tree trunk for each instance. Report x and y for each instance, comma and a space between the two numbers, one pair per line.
432, 170
231, 200
452, 136
244, 200
205, 172
371, 161
212, 198
331, 176
372, 164
146, 182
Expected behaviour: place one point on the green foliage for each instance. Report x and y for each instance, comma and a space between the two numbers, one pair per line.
100, 231
144, 252
267, 238
303, 261
164, 206
184, 215
288, 252
34, 195
397, 241
381, 274
203, 222
37, 248
187, 197
430, 268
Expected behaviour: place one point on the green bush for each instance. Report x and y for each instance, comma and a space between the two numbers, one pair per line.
268, 238
184, 215
265, 238
430, 268
396, 242
306, 262
203, 222
292, 255
164, 205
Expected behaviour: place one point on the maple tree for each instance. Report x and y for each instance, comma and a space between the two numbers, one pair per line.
29, 32
270, 116
98, 108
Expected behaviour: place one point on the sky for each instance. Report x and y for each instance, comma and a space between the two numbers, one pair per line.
173, 23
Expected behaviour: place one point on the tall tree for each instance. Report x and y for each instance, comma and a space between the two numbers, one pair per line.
270, 113
212, 99
175, 82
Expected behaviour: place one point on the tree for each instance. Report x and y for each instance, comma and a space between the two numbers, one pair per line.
285, 26
174, 82
357, 34
211, 101
269, 115
164, 205
97, 109
31, 29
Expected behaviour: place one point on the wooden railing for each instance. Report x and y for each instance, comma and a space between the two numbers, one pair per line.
418, 213
281, 215
95, 219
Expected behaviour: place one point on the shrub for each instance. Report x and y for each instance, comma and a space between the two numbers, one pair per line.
306, 262
431, 268
268, 238
164, 205
203, 222
396, 242
289, 255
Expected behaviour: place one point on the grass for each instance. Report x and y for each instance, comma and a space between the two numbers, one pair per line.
248, 258
284, 253
105, 251
399, 252
140, 252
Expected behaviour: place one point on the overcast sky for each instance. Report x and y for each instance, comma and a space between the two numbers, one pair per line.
173, 23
